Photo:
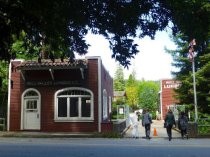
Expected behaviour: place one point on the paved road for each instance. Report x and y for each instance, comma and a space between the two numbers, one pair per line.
100, 147
156, 125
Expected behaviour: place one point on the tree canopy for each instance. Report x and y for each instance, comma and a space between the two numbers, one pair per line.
195, 23
63, 24
119, 81
148, 95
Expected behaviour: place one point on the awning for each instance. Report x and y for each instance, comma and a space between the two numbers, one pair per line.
51, 66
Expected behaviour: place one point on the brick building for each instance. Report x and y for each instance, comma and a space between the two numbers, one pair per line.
167, 95
59, 96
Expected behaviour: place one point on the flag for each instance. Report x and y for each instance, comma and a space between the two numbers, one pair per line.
192, 43
191, 53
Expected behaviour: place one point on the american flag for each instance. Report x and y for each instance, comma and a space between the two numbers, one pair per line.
191, 54
192, 43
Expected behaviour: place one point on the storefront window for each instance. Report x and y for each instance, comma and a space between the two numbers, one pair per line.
62, 107
74, 104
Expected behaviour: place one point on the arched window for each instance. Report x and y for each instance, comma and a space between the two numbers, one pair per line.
105, 105
74, 104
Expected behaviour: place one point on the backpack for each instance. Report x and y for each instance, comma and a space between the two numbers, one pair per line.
182, 123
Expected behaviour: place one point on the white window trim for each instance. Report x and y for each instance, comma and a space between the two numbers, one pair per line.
74, 119
105, 105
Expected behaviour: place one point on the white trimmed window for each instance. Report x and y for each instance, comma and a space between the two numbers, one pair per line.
74, 104
105, 105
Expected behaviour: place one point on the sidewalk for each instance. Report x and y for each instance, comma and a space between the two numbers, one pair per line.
44, 134
156, 125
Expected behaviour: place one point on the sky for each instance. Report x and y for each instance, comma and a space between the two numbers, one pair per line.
151, 63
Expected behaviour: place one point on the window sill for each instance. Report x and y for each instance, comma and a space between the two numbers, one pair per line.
73, 120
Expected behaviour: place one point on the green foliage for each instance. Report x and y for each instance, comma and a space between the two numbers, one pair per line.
23, 48
119, 82
63, 24
148, 95
4, 75
115, 104
132, 91
197, 27
195, 23
3, 89
204, 124
180, 56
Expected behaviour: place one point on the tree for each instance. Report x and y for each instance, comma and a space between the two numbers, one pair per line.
195, 23
63, 24
119, 82
132, 91
148, 95
3, 88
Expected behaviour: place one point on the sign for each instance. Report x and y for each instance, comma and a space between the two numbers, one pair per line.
121, 110
52, 83
171, 84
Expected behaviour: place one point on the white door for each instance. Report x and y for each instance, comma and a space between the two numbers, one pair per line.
31, 114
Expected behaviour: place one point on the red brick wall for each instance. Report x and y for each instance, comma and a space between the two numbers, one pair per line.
47, 103
15, 101
92, 84
168, 94
107, 84
47, 100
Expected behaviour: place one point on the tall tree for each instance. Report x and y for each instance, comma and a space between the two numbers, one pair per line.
119, 81
132, 91
63, 24
195, 23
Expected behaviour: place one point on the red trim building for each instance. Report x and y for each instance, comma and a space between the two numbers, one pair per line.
59, 96
167, 95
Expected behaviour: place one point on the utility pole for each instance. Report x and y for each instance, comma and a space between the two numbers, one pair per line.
191, 57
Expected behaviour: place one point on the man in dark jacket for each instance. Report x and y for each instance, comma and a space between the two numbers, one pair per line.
169, 121
146, 122
183, 124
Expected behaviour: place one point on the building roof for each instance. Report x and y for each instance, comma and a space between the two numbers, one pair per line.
46, 64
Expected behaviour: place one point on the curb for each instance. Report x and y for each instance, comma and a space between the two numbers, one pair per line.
45, 135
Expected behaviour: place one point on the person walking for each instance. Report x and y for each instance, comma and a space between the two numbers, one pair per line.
182, 124
146, 122
134, 125
169, 122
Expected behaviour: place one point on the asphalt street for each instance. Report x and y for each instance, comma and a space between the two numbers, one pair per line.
103, 147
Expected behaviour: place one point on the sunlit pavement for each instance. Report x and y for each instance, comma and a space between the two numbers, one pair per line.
157, 131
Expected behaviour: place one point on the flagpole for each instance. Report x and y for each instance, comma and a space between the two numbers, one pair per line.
192, 56
194, 89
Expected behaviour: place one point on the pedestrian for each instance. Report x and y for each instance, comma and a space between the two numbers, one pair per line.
146, 122
183, 124
157, 115
134, 125
169, 122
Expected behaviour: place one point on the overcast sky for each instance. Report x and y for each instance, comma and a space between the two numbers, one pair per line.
151, 63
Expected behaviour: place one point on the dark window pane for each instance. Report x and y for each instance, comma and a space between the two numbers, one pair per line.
74, 112
62, 107
31, 93
85, 107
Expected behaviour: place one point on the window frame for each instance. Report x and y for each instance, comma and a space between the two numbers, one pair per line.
105, 105
79, 118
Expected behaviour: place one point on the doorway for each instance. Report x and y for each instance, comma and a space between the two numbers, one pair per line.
31, 110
